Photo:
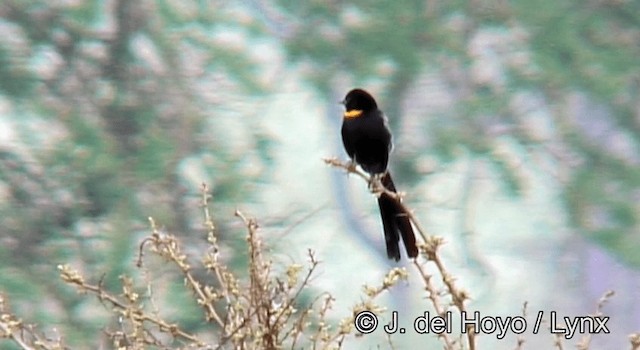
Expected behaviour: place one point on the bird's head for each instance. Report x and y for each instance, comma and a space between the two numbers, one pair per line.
358, 102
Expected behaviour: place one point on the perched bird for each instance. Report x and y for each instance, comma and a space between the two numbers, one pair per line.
367, 140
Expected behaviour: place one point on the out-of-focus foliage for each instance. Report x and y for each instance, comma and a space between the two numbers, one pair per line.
559, 79
111, 111
114, 111
592, 48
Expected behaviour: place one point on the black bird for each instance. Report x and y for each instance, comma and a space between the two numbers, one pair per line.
367, 140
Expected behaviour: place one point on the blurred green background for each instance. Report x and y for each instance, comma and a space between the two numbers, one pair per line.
516, 128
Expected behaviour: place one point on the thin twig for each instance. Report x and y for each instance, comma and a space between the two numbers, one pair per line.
430, 243
71, 276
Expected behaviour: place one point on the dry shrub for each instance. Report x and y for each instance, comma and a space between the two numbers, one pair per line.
260, 309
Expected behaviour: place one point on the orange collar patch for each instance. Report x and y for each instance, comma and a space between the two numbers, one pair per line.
354, 113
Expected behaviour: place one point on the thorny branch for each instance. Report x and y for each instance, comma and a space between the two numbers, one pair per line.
429, 248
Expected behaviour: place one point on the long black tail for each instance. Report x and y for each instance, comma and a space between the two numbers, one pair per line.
396, 223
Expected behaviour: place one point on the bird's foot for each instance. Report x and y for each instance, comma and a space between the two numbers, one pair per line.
351, 166
375, 183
